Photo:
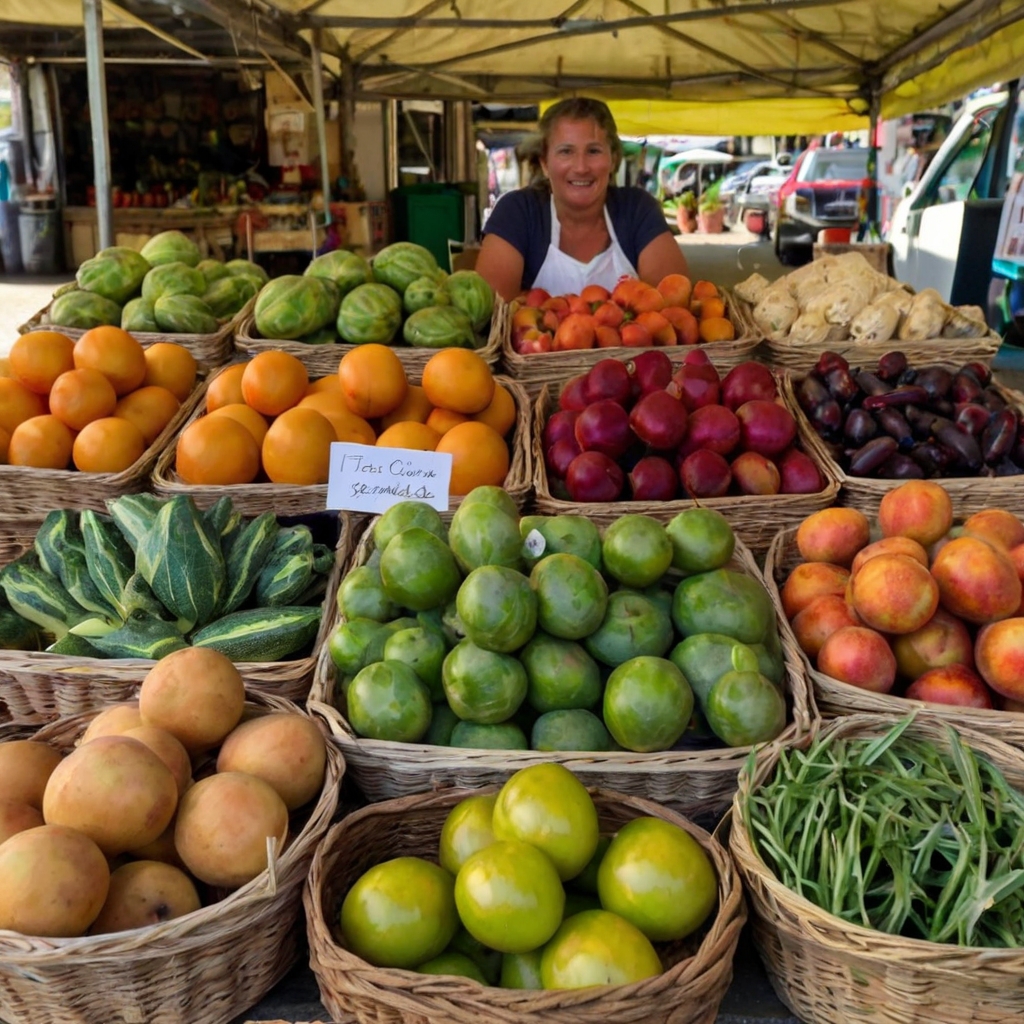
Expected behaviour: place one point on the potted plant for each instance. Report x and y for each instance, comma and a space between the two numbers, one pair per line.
686, 212
710, 212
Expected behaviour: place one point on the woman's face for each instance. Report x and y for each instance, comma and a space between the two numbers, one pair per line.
578, 163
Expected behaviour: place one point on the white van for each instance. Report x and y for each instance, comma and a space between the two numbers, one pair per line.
943, 233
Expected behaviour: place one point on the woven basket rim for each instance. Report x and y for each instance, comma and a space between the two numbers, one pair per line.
730, 913
865, 943
193, 930
801, 705
518, 480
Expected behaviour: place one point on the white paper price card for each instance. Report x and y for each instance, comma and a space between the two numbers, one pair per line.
365, 478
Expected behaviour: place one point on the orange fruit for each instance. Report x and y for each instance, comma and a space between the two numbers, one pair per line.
80, 396
442, 420
150, 408
458, 379
5, 443
38, 358
328, 383
410, 434
347, 425
273, 382
479, 456
115, 353
43, 442
501, 413
247, 416
297, 448
372, 380
226, 387
170, 366
17, 404
415, 406
109, 445
217, 450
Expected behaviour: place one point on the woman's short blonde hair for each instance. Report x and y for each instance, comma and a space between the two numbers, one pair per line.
581, 108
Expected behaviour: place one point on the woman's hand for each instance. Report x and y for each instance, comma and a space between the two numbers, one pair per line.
501, 266
660, 257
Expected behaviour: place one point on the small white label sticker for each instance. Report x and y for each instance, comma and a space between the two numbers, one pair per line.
365, 478
535, 543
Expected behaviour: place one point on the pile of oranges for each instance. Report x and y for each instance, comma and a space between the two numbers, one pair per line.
266, 417
96, 404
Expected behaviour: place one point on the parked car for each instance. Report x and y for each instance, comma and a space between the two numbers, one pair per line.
761, 190
823, 190
735, 180
943, 233
752, 177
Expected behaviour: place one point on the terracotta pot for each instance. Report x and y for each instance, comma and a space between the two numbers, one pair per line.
686, 220
711, 223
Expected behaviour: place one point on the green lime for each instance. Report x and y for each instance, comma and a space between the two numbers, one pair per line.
560, 673
419, 570
636, 550
482, 534
456, 964
647, 704
362, 595
423, 651
596, 947
356, 643
482, 686
521, 970
442, 724
549, 535
503, 736
488, 494
571, 596
701, 538
402, 516
633, 625
744, 708
466, 830
723, 601
575, 729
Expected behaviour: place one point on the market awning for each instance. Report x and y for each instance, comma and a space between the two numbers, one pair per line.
677, 66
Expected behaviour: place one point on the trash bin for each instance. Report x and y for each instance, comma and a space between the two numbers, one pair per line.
10, 238
38, 229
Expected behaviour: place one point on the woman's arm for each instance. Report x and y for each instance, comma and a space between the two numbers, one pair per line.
501, 264
659, 257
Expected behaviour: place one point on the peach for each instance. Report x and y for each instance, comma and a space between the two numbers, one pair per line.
890, 546
999, 527
833, 535
976, 581
25, 768
755, 474
918, 509
819, 620
16, 816
1017, 558
999, 652
810, 580
858, 656
952, 684
943, 640
894, 594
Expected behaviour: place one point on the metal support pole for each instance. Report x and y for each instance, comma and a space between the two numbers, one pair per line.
321, 127
390, 144
92, 15
868, 230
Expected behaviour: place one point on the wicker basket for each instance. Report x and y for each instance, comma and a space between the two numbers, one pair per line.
38, 687
835, 698
697, 974
288, 499
535, 370
698, 783
799, 357
753, 519
830, 972
204, 968
323, 359
968, 494
209, 350
26, 491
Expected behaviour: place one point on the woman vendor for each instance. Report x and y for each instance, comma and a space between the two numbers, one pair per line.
575, 227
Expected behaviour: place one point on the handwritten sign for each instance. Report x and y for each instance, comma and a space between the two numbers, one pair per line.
364, 478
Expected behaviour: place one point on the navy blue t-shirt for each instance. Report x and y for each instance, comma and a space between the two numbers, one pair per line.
523, 219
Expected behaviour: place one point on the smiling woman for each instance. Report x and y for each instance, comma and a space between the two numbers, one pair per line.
575, 228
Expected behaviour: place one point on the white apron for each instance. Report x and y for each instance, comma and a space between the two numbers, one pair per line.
561, 274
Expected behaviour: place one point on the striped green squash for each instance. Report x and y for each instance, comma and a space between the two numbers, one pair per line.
261, 634
39, 597
16, 633
73, 646
217, 517
109, 558
61, 550
288, 570
138, 598
244, 559
180, 562
134, 514
140, 638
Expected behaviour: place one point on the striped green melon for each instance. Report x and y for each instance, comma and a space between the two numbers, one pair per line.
184, 314
439, 327
228, 295
399, 264
116, 273
171, 247
292, 306
212, 270
138, 317
424, 292
346, 269
370, 313
261, 634
473, 295
173, 279
83, 310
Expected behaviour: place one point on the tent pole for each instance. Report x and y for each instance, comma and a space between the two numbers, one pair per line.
92, 16
869, 216
321, 127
